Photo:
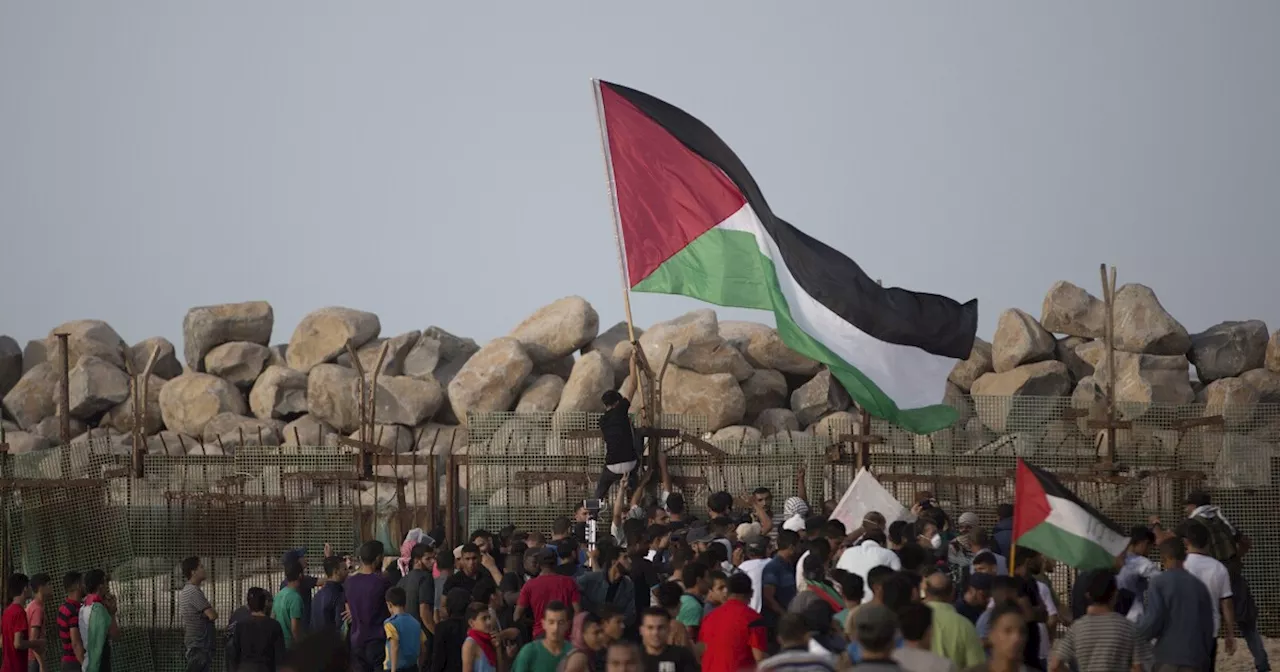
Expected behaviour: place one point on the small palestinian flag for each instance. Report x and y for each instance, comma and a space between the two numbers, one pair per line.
1050, 519
694, 223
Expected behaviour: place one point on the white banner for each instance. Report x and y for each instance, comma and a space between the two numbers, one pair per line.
865, 494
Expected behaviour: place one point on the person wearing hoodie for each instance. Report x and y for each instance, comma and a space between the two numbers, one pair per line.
1002, 533
619, 442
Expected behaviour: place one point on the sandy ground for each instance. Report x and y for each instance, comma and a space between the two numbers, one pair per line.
1242, 661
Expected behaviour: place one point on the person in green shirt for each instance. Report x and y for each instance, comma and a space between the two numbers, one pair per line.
697, 583
544, 655
287, 609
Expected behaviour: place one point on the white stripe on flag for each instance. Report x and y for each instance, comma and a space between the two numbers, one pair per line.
1070, 517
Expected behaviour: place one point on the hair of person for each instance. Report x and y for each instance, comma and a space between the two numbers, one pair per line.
456, 602
681, 556
396, 596
717, 575
852, 587
630, 647
898, 531
720, 524
481, 534
93, 580
1004, 511
939, 586
834, 529
1024, 556
610, 397
814, 524
1006, 608
39, 580
445, 561
1004, 583
980, 537
656, 531
418, 551
536, 538
555, 606
985, 558
740, 585
792, 628
331, 565
693, 573
913, 556
1173, 549
1195, 534
475, 609
787, 539
634, 531
1101, 587
72, 579
717, 554
820, 547
761, 491
606, 555
655, 612
256, 599
560, 526
899, 590
292, 571
877, 639
719, 502
189, 566
669, 594
393, 573
470, 547
1141, 533
878, 575
876, 535
675, 504
567, 549
915, 619
815, 567
17, 584
370, 551
756, 551
608, 612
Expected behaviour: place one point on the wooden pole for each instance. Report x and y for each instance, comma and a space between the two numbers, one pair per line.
1109, 299
613, 206
64, 403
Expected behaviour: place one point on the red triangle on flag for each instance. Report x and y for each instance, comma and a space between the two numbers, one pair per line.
1030, 503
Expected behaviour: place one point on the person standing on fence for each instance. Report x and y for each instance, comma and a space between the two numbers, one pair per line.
197, 617
40, 592
69, 623
620, 455
366, 593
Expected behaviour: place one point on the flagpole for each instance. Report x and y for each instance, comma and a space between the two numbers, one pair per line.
617, 219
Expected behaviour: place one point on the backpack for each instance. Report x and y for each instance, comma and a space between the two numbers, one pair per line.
1222, 539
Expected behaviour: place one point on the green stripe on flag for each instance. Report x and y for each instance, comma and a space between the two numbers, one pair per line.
1067, 548
727, 268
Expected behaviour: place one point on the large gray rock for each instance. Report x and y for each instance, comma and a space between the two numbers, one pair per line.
834, 425
1067, 352
173, 444
86, 337
1020, 340
26, 442
1143, 379
763, 348
1144, 326
308, 431
736, 435
613, 343
51, 428
191, 400
206, 327
167, 365
398, 348
542, 395
406, 401
1232, 398
1273, 352
279, 393
238, 362
1070, 310
10, 364
562, 367
322, 335
979, 362
717, 396
696, 345
557, 329
229, 431
96, 385
439, 354
592, 376
1266, 382
1228, 349
35, 352
333, 396
395, 438
491, 379
765, 389
35, 396
774, 420
120, 417
1042, 379
823, 394
279, 355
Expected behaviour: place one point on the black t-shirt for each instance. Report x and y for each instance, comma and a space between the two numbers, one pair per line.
672, 659
259, 644
644, 576
481, 586
1031, 654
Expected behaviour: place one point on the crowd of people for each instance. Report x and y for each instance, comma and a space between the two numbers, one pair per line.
639, 583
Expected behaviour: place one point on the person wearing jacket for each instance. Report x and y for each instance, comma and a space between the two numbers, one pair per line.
619, 442
610, 584
1002, 533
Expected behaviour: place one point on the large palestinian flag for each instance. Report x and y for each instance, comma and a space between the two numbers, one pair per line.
695, 223
1050, 519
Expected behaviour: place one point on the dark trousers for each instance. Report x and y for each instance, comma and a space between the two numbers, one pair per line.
370, 657
608, 478
199, 660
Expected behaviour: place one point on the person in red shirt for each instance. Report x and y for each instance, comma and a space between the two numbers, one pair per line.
733, 635
547, 587
13, 628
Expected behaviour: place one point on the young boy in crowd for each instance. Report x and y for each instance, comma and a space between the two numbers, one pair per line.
405, 636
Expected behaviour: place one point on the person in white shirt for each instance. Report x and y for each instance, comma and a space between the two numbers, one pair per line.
870, 553
757, 553
1213, 574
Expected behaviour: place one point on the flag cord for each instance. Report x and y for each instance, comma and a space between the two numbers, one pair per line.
613, 206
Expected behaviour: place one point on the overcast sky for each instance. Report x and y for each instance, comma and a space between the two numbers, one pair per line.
439, 163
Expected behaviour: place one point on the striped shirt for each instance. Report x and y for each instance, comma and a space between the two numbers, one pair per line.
68, 618
1099, 643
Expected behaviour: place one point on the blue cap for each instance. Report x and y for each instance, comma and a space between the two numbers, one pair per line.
293, 555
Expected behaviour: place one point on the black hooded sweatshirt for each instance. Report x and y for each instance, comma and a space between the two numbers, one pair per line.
619, 436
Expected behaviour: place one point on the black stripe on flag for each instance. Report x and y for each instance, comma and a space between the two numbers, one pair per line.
936, 324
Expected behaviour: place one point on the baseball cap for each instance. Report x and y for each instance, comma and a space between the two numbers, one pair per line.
700, 535
757, 547
293, 555
968, 518
748, 532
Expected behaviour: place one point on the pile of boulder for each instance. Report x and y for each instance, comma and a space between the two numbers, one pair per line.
231, 386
